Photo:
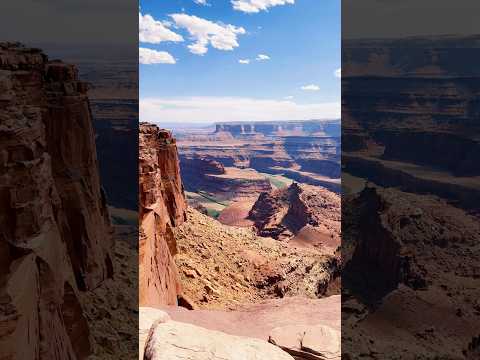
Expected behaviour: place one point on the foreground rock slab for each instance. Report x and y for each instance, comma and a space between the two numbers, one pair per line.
308, 342
173, 340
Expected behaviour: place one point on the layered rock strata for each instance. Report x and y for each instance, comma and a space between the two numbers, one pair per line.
206, 174
162, 207
55, 229
268, 128
410, 115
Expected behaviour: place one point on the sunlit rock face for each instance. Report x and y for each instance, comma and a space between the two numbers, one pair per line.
162, 207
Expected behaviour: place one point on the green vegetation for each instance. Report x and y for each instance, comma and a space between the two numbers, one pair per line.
278, 181
214, 207
213, 213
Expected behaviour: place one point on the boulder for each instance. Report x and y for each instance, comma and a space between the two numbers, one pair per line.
147, 317
308, 342
174, 340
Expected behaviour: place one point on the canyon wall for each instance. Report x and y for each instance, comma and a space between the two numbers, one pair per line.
162, 207
410, 133
56, 236
410, 111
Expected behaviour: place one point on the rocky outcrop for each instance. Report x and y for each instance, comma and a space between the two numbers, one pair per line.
408, 257
162, 207
283, 213
316, 342
55, 229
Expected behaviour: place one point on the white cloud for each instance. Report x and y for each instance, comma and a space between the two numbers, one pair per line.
244, 61
311, 87
201, 2
154, 32
255, 6
262, 57
212, 109
205, 32
338, 73
150, 56
290, 97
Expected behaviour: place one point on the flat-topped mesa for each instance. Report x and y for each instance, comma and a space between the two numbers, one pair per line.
56, 236
269, 128
162, 207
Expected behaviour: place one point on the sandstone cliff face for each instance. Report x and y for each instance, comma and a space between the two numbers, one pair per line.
162, 207
55, 230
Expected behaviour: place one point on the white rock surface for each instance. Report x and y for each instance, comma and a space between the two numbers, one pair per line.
174, 340
147, 317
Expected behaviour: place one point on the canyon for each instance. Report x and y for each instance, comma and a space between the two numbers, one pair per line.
199, 275
232, 163
410, 205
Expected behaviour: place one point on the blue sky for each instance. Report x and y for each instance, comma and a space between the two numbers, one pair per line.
230, 60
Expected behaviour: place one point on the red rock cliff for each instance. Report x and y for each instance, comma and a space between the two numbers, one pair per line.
55, 235
162, 207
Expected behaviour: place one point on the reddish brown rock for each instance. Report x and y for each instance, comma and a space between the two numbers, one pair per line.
309, 211
55, 230
203, 173
162, 207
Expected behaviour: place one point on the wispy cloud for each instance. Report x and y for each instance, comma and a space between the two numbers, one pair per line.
255, 6
201, 2
205, 33
154, 32
262, 57
311, 87
244, 61
338, 73
290, 97
211, 109
150, 56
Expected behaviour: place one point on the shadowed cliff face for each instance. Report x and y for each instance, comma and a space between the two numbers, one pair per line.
162, 207
410, 111
55, 230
